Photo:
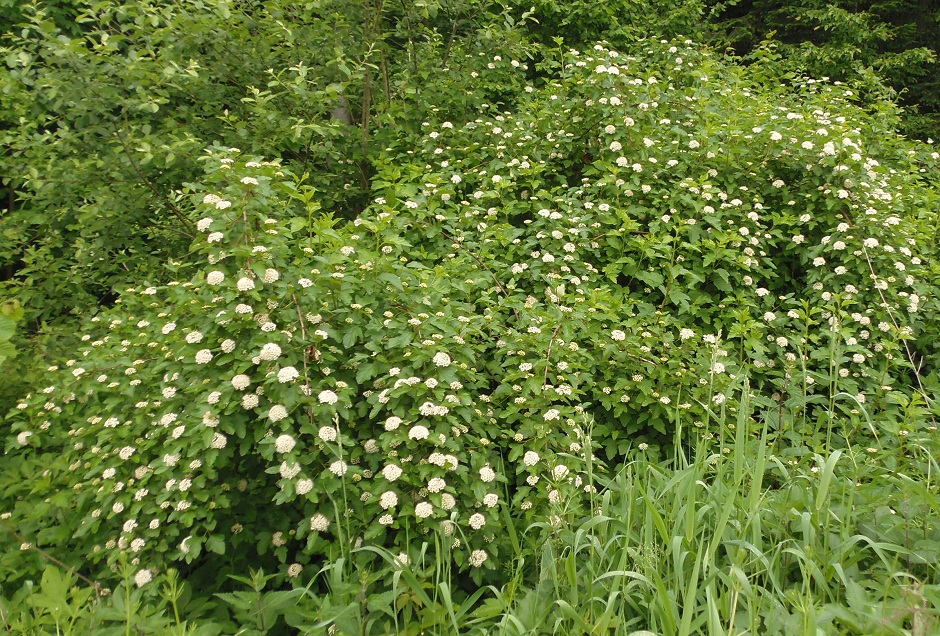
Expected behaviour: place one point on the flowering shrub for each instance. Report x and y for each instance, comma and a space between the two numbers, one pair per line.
529, 296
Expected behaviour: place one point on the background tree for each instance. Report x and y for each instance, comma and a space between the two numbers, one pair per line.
873, 43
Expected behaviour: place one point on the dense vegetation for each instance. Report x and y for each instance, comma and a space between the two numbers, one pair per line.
460, 317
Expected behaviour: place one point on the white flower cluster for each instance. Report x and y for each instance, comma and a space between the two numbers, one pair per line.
284, 443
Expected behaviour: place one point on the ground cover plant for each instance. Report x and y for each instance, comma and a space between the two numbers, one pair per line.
650, 349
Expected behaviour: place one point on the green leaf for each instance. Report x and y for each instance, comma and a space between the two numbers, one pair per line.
7, 328
297, 223
216, 543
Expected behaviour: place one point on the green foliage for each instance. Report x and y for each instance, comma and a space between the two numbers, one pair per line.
10, 314
530, 297
93, 173
476, 333
580, 23
62, 604
877, 44
108, 107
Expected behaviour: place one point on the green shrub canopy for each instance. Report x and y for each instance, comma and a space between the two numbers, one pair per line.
530, 295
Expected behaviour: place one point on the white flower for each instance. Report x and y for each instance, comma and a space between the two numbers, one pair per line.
218, 441
531, 458
423, 510
240, 382
478, 558
477, 521
487, 474
215, 278
618, 335
287, 374
448, 501
303, 486
490, 500
143, 577
551, 414
392, 423
289, 471
227, 346
559, 471
388, 500
270, 352
418, 432
214, 237
441, 359
194, 337
294, 570
203, 356
391, 472
249, 181
436, 484
339, 468
328, 397
284, 443
319, 523
250, 401
327, 433
204, 224
245, 284
270, 276
23, 438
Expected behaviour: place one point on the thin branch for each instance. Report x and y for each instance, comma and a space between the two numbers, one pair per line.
910, 356
176, 211
481, 264
22, 540
548, 354
303, 334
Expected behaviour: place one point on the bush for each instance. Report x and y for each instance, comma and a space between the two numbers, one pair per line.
532, 295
